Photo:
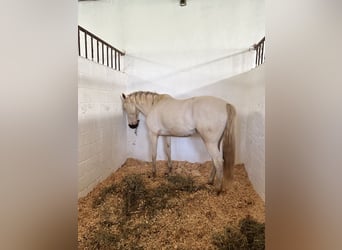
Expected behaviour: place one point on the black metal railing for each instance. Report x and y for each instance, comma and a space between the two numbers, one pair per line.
260, 52
94, 48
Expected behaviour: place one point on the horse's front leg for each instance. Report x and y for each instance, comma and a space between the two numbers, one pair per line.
154, 140
168, 154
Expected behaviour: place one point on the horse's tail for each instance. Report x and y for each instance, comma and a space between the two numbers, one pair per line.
228, 145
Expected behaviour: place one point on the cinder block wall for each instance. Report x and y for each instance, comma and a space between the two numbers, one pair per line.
102, 128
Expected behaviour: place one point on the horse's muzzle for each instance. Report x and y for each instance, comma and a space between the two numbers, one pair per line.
133, 126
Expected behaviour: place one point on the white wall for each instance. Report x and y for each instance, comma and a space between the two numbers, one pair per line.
177, 49
171, 45
102, 128
255, 130
104, 19
247, 93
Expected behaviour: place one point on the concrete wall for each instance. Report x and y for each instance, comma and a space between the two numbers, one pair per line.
102, 128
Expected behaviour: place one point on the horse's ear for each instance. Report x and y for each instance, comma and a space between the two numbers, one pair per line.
123, 96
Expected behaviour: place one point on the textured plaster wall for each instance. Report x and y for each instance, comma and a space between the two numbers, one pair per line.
102, 128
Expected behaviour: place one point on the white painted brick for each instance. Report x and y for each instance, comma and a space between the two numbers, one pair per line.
90, 137
97, 117
88, 151
89, 164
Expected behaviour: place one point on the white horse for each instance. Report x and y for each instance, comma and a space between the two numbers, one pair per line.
212, 118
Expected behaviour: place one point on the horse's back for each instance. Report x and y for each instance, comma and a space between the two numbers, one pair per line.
208, 109
184, 117
172, 117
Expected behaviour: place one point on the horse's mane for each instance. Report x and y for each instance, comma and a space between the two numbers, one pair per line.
145, 97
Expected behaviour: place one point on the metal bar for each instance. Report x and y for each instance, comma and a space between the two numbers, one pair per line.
97, 38
102, 54
97, 50
119, 61
262, 52
92, 51
256, 57
85, 39
107, 57
261, 41
259, 52
115, 58
79, 47
111, 58
110, 63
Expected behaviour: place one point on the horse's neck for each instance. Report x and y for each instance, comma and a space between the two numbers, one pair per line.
145, 105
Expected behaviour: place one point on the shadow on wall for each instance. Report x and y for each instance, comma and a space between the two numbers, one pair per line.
174, 73
177, 79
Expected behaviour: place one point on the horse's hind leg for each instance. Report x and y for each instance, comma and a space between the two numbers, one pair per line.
213, 169
154, 140
168, 154
218, 165
212, 175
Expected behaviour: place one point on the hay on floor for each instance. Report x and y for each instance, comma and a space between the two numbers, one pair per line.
131, 210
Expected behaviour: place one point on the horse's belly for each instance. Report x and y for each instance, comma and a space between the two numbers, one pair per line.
176, 132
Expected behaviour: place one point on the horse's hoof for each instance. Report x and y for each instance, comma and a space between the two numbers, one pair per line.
218, 190
210, 183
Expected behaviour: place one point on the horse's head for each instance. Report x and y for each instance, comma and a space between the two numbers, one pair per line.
132, 112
